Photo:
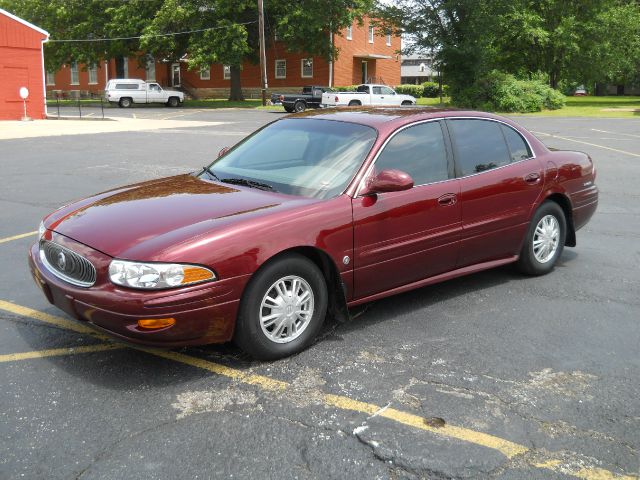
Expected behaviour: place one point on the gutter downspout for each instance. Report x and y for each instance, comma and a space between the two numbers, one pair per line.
331, 61
44, 75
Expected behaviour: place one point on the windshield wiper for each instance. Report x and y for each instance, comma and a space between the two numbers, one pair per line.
248, 183
209, 172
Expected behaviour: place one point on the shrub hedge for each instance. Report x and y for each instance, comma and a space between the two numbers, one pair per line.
503, 92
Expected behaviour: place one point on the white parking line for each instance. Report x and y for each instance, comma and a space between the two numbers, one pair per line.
587, 143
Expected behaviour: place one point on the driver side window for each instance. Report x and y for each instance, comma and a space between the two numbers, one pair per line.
419, 151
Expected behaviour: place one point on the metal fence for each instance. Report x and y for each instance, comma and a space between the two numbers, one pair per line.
91, 106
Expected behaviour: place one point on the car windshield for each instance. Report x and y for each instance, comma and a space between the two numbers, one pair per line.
307, 157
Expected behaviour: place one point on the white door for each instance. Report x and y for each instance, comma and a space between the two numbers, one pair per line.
388, 96
175, 74
155, 94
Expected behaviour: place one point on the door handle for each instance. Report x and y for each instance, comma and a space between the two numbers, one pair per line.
532, 178
448, 199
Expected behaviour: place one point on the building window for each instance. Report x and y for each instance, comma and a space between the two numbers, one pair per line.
226, 72
51, 78
307, 67
93, 74
75, 77
276, 36
388, 39
349, 32
281, 69
370, 34
125, 67
205, 73
150, 68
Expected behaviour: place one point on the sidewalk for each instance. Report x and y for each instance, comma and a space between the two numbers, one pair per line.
49, 128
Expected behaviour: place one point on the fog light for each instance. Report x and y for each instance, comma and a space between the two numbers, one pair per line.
155, 323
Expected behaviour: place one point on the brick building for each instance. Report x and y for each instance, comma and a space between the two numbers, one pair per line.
21, 65
366, 55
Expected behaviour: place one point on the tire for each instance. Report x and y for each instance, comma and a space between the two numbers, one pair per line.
125, 102
299, 106
407, 102
355, 103
267, 338
173, 102
289, 109
545, 239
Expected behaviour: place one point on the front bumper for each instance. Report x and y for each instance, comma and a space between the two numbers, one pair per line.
204, 313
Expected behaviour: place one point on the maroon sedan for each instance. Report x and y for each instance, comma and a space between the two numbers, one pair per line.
310, 215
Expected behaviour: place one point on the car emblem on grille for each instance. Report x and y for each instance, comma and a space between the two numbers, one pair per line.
62, 260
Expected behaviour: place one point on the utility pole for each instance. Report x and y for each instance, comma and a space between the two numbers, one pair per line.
263, 54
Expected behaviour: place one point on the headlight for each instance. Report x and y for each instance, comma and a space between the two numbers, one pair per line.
157, 275
41, 230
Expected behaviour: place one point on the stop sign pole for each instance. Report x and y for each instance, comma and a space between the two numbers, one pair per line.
24, 94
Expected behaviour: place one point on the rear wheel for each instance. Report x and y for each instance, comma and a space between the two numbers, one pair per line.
289, 109
173, 101
355, 103
125, 102
299, 106
545, 240
282, 308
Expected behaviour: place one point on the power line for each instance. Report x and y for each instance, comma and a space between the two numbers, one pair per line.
76, 40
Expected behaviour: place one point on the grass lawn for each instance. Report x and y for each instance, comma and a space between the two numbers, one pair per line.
620, 107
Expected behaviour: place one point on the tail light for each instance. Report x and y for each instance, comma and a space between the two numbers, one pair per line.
282, 98
336, 99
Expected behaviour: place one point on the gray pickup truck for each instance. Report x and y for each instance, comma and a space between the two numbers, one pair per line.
311, 97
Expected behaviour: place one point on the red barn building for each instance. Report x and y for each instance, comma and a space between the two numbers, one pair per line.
366, 55
21, 65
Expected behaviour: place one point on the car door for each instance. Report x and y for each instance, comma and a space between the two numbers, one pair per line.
155, 94
500, 180
403, 237
388, 96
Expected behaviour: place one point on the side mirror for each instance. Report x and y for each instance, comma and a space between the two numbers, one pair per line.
389, 180
223, 151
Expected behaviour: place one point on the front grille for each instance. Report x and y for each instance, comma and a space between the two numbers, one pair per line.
67, 265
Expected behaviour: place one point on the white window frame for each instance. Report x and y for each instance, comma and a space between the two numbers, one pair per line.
51, 78
205, 73
388, 39
150, 69
302, 67
75, 72
349, 34
93, 74
371, 33
281, 61
226, 72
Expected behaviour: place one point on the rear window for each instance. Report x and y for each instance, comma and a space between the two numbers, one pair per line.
127, 86
479, 146
517, 146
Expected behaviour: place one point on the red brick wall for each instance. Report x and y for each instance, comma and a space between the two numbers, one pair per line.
348, 68
20, 66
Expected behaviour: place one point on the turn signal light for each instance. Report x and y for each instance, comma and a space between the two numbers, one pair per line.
196, 274
155, 323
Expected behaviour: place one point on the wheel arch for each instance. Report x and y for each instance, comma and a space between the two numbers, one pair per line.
337, 306
564, 202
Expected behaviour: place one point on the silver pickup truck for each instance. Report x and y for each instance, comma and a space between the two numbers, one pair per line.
367, 94
128, 91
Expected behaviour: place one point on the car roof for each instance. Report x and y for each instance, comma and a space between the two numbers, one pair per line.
382, 118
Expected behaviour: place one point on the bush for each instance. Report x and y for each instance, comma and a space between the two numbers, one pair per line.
431, 89
413, 90
505, 93
348, 88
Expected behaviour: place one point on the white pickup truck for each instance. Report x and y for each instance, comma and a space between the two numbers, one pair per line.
128, 91
367, 94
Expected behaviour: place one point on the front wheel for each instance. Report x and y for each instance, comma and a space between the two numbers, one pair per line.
173, 102
544, 241
407, 102
282, 309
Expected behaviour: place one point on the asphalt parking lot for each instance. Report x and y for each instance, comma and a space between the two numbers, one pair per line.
494, 375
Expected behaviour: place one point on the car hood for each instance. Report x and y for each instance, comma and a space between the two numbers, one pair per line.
140, 221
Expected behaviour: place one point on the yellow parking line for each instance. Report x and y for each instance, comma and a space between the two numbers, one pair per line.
506, 447
17, 237
57, 352
587, 143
